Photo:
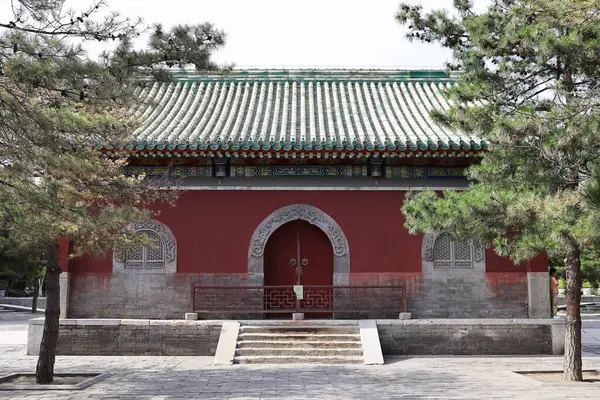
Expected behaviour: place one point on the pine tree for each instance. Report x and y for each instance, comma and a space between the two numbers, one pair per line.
529, 83
57, 108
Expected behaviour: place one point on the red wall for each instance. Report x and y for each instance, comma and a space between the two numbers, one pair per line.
213, 230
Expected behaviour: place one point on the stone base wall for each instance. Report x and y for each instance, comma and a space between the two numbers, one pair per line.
561, 300
152, 296
408, 337
113, 337
23, 301
167, 296
483, 296
471, 337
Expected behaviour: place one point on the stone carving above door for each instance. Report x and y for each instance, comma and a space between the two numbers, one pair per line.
304, 212
308, 213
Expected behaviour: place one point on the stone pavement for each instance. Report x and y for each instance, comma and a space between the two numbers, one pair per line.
590, 335
400, 378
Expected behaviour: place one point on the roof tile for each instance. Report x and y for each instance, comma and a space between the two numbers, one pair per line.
298, 110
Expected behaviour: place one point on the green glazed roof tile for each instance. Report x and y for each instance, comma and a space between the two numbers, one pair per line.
295, 110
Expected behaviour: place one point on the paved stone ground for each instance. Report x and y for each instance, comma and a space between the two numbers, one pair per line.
400, 378
590, 335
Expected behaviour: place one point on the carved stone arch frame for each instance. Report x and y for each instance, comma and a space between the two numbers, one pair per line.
311, 214
427, 258
170, 246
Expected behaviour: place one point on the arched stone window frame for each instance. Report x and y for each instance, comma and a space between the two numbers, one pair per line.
428, 259
313, 215
168, 241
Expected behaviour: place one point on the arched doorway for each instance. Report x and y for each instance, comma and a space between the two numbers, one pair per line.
304, 212
298, 253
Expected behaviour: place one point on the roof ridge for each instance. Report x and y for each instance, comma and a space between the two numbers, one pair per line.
316, 74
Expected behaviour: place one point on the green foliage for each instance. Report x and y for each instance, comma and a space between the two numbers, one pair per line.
57, 109
590, 266
586, 285
57, 105
529, 84
590, 271
562, 283
19, 272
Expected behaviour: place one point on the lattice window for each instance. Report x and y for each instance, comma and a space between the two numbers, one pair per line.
149, 256
449, 253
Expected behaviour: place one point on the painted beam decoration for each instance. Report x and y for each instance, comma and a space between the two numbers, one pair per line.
258, 171
176, 172
408, 172
299, 170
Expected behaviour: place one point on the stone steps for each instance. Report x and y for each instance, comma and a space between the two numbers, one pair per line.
300, 329
298, 344
297, 337
298, 360
252, 344
286, 351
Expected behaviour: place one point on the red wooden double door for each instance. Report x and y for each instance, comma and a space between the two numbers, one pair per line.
298, 253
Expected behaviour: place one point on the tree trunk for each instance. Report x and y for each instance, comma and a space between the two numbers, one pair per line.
35, 297
45, 367
572, 362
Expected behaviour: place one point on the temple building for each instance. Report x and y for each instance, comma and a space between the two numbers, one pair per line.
291, 186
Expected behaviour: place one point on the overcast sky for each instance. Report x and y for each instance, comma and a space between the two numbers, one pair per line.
297, 33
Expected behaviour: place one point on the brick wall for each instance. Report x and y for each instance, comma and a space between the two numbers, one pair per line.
154, 296
470, 297
446, 293
409, 337
138, 340
456, 338
167, 296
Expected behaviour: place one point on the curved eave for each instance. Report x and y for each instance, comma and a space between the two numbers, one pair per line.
432, 150
430, 146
